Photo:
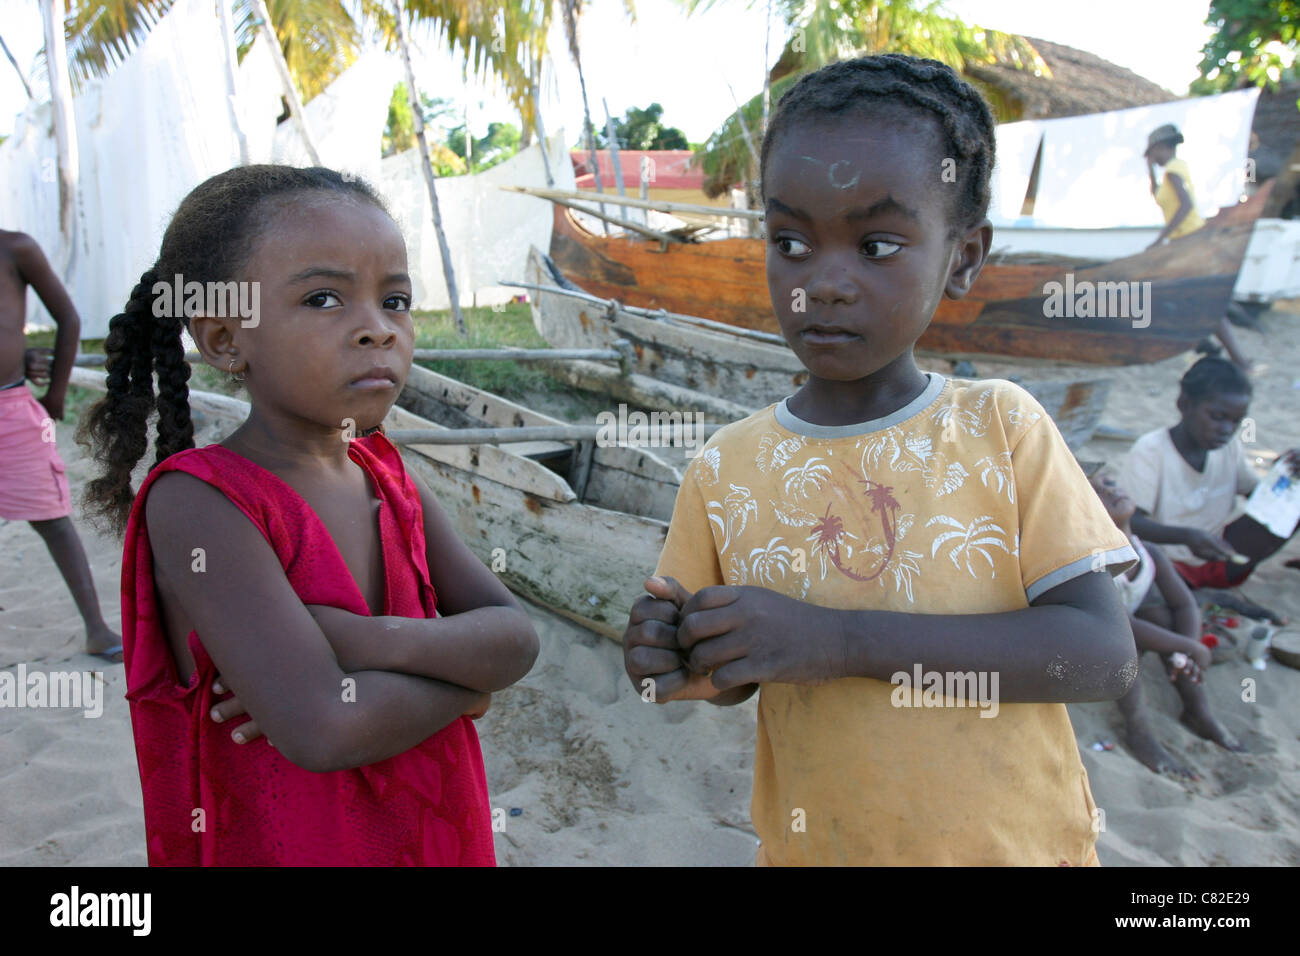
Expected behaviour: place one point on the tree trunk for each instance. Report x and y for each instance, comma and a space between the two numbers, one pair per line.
22, 79
767, 72
65, 131
228, 46
267, 30
418, 114
571, 29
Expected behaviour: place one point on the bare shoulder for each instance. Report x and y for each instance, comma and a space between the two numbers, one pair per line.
17, 246
184, 512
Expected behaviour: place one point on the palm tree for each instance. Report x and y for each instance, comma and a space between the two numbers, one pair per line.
824, 31
65, 129
417, 113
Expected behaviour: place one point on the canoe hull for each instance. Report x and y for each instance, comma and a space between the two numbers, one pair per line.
1005, 313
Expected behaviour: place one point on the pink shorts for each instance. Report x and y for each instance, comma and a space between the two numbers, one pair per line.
33, 485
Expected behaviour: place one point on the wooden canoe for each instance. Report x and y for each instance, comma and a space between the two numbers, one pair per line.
1004, 314
576, 529
752, 374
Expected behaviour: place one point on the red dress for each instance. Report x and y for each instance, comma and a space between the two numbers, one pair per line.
427, 806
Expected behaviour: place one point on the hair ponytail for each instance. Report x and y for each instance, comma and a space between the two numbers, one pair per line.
116, 427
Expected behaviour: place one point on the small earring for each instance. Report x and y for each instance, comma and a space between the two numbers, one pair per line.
237, 378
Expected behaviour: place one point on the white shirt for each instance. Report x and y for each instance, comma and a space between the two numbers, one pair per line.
1172, 492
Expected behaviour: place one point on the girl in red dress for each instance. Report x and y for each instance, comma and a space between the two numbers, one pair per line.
307, 572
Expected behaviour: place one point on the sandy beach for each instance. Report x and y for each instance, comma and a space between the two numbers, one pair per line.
602, 778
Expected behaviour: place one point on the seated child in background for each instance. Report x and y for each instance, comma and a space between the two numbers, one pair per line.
33, 484
884, 522
309, 570
1165, 619
1185, 481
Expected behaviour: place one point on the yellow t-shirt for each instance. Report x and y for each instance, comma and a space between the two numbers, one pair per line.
1167, 197
966, 500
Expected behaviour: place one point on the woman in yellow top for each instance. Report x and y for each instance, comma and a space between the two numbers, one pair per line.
1178, 203
1174, 193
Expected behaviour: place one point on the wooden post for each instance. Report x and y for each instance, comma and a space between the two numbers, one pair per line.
626, 356
541, 136
267, 30
614, 158
580, 474
417, 111
647, 170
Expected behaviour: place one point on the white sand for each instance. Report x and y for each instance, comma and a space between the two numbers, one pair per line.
603, 778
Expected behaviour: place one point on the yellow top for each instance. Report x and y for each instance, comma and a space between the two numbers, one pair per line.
1167, 197
966, 500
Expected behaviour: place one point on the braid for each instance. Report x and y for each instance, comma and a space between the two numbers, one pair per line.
175, 430
208, 240
116, 428
893, 80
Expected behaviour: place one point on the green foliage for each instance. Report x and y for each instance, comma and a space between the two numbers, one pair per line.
825, 31
399, 132
523, 382
1254, 44
643, 129
500, 143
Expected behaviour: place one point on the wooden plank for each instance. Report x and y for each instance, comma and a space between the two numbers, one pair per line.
508, 438
750, 374
515, 355
658, 205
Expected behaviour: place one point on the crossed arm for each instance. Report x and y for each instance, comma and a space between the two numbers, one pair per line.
412, 677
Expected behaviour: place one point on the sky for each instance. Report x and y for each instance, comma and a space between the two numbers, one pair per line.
691, 66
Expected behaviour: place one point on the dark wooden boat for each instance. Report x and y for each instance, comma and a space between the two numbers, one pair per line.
1004, 315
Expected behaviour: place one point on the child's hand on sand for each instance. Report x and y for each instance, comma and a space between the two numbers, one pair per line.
230, 708
751, 635
651, 654
1191, 662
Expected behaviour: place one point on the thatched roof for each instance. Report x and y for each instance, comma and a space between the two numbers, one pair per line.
1080, 83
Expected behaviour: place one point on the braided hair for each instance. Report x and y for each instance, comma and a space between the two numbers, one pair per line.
209, 239
1213, 376
898, 84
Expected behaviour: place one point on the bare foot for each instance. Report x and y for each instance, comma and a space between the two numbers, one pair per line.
1204, 724
104, 642
1147, 749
